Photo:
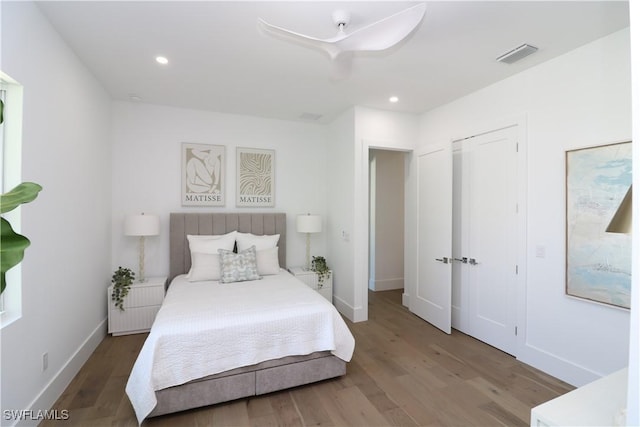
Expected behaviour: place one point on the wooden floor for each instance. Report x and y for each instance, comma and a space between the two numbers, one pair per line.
404, 373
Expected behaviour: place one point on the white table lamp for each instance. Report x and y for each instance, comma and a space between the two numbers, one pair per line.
308, 224
141, 225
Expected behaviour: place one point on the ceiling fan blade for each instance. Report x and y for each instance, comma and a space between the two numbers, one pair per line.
380, 35
328, 45
385, 33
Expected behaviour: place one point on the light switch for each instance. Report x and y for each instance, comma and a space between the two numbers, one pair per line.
541, 251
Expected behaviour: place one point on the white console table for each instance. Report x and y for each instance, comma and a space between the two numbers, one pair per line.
600, 403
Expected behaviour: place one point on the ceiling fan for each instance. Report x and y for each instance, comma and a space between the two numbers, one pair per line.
378, 36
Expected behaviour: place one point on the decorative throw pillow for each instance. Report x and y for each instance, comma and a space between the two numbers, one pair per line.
246, 240
238, 267
205, 260
267, 260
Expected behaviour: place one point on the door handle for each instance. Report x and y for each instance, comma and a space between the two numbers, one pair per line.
463, 260
443, 260
473, 261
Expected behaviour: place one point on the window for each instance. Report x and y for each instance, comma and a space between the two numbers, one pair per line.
2, 100
2, 188
10, 176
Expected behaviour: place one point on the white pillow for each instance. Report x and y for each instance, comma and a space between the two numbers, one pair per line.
267, 260
209, 244
205, 260
246, 240
204, 267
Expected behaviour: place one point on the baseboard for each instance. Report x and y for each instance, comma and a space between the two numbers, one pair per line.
388, 284
355, 314
62, 378
558, 367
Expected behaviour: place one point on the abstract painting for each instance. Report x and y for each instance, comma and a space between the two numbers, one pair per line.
202, 175
255, 183
598, 263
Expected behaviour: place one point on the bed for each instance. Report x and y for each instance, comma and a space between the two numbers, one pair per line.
213, 342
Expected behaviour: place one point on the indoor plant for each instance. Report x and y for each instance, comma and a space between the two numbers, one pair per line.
319, 265
122, 279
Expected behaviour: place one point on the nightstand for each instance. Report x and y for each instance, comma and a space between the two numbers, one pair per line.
140, 307
310, 278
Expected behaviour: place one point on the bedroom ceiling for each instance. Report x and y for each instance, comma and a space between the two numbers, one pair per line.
219, 61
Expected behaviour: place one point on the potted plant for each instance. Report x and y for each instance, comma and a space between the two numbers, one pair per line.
319, 265
122, 279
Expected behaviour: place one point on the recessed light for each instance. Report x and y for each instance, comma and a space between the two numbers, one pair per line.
162, 60
134, 98
393, 99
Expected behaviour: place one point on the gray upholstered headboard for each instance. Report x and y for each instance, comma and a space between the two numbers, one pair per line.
182, 224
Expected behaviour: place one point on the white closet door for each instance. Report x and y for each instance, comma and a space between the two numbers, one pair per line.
492, 251
432, 298
460, 244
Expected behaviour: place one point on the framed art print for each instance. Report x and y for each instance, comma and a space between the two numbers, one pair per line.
203, 175
598, 263
255, 181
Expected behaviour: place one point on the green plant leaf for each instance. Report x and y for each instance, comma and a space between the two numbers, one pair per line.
12, 244
1, 111
23, 193
11, 250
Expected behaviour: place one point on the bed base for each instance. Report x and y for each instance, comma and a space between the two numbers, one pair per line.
265, 377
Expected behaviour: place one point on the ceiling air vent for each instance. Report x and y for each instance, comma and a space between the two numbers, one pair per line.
517, 54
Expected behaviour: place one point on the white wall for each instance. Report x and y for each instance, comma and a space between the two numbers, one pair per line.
388, 205
147, 173
579, 99
66, 269
340, 204
633, 395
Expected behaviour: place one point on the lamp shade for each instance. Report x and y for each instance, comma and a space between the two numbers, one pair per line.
308, 224
142, 225
621, 221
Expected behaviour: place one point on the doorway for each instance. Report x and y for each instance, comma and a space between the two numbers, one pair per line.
386, 219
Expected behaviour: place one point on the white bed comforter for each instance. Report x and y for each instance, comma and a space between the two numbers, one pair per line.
204, 328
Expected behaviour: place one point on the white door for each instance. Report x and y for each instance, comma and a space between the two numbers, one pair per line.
432, 297
459, 269
492, 237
